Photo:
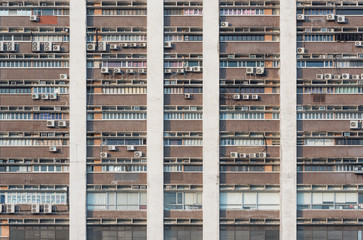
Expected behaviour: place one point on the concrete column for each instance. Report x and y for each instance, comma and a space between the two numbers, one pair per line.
155, 119
288, 119
211, 119
78, 120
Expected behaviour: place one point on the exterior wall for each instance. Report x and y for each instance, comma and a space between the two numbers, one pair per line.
159, 115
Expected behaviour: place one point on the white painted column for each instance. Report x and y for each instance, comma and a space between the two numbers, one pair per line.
288, 120
155, 119
211, 120
78, 121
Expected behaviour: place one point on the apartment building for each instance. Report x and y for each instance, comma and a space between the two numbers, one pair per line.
177, 120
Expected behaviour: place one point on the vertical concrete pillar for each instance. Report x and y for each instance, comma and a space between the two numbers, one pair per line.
155, 119
211, 119
288, 119
78, 120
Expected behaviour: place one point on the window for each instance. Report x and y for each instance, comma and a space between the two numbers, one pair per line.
183, 116
329, 200
242, 116
116, 201
241, 12
182, 200
124, 90
183, 142
33, 197
249, 200
241, 142
123, 116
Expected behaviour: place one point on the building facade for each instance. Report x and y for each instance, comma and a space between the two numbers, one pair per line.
177, 120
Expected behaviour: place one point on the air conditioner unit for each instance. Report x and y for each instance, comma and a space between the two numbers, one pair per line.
345, 76
341, 19
53, 149
300, 50
124, 44
346, 134
327, 76
354, 125
36, 108
236, 97
330, 30
35, 208
91, 46
113, 46
261, 154
180, 70
252, 155
142, 45
117, 70
141, 70
53, 96
197, 69
330, 17
105, 70
35, 96
36, 46
250, 70
319, 76
2, 49
167, 70
10, 46
245, 97
48, 46
34, 18
137, 154
355, 77
102, 46
188, 69
10, 208
45, 96
168, 44
62, 123
254, 97
193, 108
63, 76
103, 154
130, 148
224, 24
129, 70
300, 17
358, 44
234, 154
50, 123
111, 148
242, 155
56, 48
188, 96
361, 76
133, 45
48, 208
337, 77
